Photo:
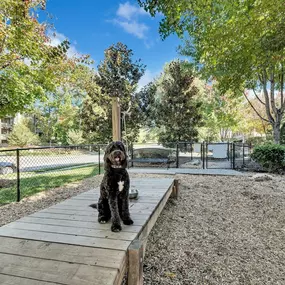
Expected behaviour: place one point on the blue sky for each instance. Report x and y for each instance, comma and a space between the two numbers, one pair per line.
93, 25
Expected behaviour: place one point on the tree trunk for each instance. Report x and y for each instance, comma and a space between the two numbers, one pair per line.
276, 132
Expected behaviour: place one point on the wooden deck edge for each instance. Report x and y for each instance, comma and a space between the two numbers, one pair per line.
122, 271
136, 250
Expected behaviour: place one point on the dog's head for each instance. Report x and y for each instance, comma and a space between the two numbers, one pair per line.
115, 156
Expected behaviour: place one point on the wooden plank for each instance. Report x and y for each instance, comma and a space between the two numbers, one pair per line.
142, 207
66, 239
141, 199
13, 280
73, 231
116, 119
63, 252
78, 224
55, 271
93, 219
78, 208
93, 213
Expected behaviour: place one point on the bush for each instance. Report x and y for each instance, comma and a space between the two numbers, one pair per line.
22, 136
270, 156
75, 137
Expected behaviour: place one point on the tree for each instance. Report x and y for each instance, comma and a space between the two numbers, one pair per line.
97, 116
29, 66
118, 76
177, 109
22, 136
221, 114
239, 43
75, 137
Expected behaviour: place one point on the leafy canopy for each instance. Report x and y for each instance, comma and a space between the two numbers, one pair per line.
238, 43
29, 65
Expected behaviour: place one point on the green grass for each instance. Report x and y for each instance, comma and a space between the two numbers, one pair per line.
63, 167
32, 182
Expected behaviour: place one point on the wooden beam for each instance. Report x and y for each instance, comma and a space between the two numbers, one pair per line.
135, 273
175, 189
116, 119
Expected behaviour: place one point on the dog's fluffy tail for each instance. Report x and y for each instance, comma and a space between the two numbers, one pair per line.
95, 206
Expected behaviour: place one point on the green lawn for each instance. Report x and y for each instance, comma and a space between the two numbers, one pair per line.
32, 182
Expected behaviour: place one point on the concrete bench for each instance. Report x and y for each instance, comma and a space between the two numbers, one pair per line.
152, 156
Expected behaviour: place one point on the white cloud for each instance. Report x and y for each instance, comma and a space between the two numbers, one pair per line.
129, 11
57, 38
127, 18
147, 78
133, 27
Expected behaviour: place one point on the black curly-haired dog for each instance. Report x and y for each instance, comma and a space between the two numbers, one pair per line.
114, 189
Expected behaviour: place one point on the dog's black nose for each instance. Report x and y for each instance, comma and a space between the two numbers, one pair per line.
117, 153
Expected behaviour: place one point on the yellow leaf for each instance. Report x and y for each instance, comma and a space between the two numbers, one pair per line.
170, 274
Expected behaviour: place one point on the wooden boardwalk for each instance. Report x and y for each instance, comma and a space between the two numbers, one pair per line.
64, 244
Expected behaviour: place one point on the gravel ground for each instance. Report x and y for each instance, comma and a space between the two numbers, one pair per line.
222, 230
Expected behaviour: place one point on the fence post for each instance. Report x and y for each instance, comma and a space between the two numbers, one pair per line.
203, 154
228, 150
18, 176
206, 155
243, 154
177, 155
99, 159
234, 155
132, 154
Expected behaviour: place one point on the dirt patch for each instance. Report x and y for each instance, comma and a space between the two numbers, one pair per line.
221, 230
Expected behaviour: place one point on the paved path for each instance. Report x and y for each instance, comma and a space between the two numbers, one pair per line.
65, 245
173, 171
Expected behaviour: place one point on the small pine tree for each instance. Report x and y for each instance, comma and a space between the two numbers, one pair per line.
22, 136
75, 137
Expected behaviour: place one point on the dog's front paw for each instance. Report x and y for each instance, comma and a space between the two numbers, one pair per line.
116, 228
102, 220
128, 221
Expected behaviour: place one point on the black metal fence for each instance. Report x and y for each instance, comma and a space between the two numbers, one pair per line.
204, 155
27, 171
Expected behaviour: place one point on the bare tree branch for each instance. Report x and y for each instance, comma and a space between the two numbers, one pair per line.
255, 108
258, 98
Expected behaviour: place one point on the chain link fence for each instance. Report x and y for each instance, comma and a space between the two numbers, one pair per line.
27, 171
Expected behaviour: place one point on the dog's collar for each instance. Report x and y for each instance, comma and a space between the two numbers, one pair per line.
116, 166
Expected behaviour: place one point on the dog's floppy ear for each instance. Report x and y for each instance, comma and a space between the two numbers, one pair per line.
108, 151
